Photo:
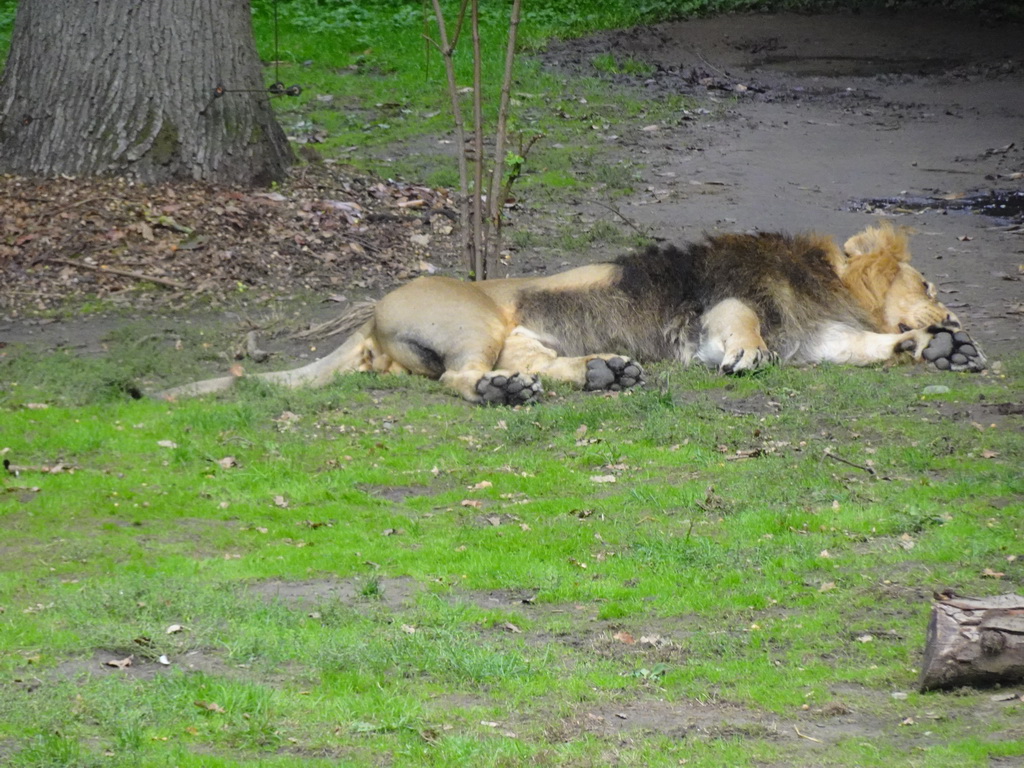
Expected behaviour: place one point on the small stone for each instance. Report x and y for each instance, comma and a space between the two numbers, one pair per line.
935, 389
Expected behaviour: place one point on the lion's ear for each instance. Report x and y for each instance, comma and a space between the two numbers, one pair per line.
881, 241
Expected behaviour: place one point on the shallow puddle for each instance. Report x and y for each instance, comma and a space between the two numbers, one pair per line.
1005, 206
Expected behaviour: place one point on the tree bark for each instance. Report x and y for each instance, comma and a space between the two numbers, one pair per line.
974, 641
127, 87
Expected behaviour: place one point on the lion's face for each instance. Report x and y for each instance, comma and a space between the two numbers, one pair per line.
879, 275
911, 302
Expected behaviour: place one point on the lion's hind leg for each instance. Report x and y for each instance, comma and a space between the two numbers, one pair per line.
731, 338
453, 332
526, 351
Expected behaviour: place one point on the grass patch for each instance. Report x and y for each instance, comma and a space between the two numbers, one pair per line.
352, 582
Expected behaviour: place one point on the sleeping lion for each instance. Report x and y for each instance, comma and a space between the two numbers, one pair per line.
736, 302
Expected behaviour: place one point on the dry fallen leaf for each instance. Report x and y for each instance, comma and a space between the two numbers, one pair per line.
227, 462
175, 629
624, 637
210, 706
475, 503
167, 443
120, 663
603, 479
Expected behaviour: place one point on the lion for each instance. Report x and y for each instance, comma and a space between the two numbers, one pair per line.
737, 302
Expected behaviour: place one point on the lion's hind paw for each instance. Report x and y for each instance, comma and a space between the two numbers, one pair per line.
508, 389
951, 350
748, 359
613, 373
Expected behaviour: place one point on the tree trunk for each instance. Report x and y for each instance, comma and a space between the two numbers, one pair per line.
128, 87
974, 641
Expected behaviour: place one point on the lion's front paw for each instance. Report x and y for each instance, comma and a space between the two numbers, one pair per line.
614, 374
953, 351
508, 389
747, 359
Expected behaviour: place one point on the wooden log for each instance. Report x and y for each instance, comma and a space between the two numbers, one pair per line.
974, 642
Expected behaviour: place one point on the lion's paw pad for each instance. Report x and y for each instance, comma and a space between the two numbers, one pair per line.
517, 389
614, 374
954, 351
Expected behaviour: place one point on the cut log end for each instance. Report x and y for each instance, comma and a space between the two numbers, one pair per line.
974, 642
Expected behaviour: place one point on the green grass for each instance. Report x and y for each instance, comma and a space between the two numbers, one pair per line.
350, 585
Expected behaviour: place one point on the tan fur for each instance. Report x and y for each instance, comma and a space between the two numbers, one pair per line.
879, 275
865, 304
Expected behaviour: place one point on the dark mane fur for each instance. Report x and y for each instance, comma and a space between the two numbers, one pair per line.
648, 310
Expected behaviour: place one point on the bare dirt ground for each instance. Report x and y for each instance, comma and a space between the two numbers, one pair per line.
817, 122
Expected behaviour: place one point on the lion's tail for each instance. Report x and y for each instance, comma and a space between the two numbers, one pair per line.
348, 357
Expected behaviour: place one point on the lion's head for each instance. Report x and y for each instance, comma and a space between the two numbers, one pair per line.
877, 272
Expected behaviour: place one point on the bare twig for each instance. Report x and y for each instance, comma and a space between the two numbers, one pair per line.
629, 222
51, 212
447, 48
122, 272
804, 736
498, 195
709, 64
869, 470
480, 262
